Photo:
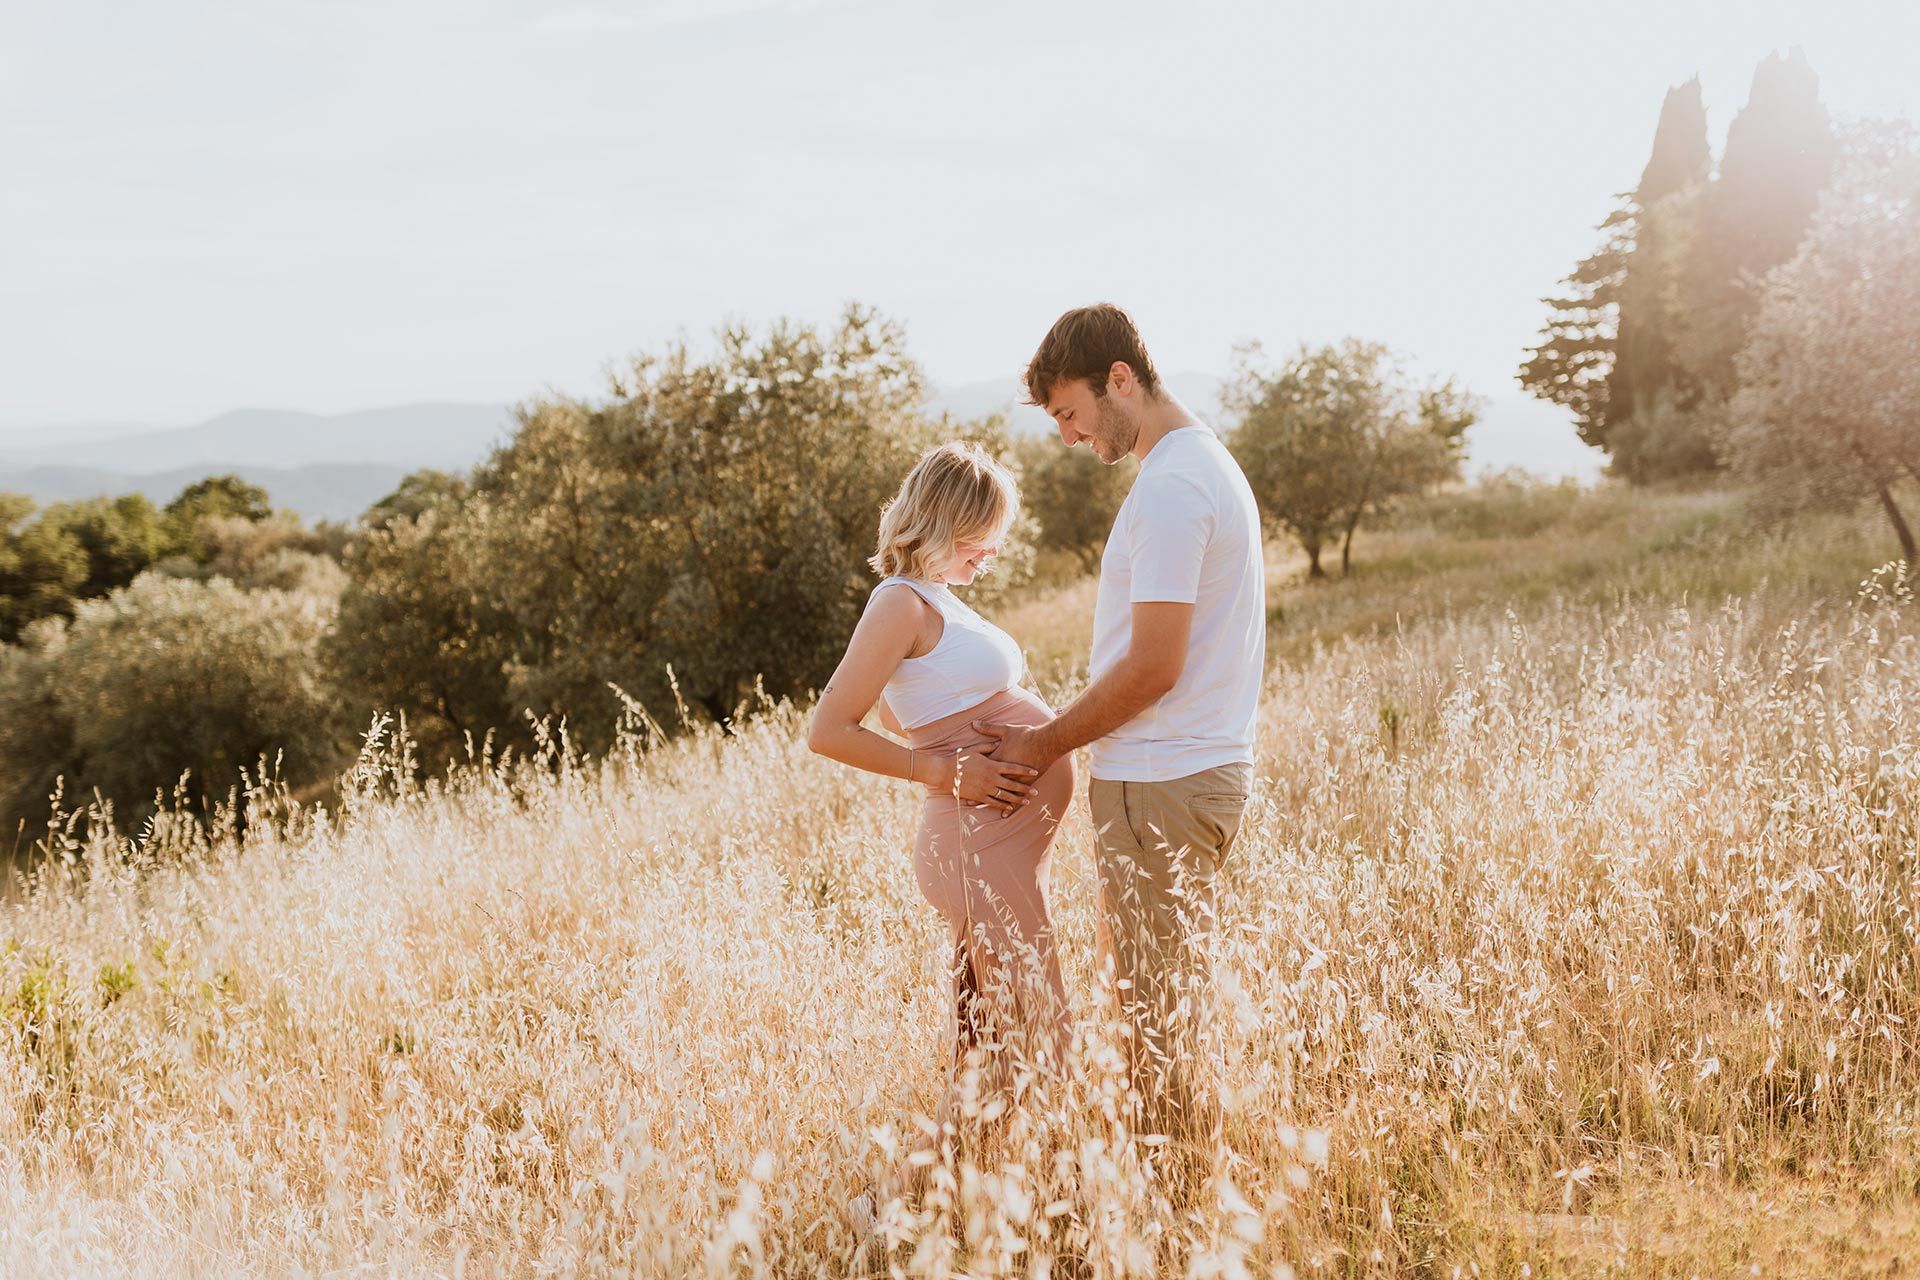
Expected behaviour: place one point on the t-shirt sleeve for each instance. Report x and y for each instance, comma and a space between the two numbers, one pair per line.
1167, 540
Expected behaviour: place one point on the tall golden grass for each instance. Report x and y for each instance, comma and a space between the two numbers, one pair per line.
1573, 932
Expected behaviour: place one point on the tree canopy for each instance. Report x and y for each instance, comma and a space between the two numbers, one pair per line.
1072, 497
1336, 434
1640, 344
84, 550
700, 535
1826, 413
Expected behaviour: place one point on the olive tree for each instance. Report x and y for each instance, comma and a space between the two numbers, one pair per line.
1335, 435
417, 633
223, 496
84, 549
42, 566
1829, 384
699, 534
163, 679
707, 527
36, 737
1071, 496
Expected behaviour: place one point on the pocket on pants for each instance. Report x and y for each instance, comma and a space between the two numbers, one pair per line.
1217, 815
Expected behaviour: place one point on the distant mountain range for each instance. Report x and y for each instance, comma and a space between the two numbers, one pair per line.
333, 466
408, 435
325, 466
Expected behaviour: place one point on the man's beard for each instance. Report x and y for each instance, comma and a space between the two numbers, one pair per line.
1112, 429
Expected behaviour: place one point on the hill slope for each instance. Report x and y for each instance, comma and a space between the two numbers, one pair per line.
1572, 930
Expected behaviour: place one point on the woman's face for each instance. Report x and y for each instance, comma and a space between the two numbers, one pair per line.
970, 556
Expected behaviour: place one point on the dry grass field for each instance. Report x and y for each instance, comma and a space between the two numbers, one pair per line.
1574, 933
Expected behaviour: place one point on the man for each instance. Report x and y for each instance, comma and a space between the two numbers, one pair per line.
1178, 651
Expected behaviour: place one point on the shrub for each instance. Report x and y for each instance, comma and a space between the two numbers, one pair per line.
166, 678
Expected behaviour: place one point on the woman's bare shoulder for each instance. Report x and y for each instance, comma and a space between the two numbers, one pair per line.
895, 606
899, 612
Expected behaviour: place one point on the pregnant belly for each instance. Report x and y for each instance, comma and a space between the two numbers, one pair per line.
1009, 706
1054, 788
949, 824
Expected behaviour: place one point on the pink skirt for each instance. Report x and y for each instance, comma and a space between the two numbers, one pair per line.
987, 874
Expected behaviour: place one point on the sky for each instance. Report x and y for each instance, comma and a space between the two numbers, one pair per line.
330, 206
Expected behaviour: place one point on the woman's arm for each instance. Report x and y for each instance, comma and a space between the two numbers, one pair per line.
884, 638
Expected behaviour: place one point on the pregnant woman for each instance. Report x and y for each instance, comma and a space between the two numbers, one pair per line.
935, 666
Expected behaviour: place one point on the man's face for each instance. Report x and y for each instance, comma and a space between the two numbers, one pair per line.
1103, 423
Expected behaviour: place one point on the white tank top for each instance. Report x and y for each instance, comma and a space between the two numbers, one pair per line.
972, 661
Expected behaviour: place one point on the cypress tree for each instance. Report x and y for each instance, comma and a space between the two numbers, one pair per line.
1680, 156
1779, 158
1574, 360
1646, 377
1642, 345
1593, 353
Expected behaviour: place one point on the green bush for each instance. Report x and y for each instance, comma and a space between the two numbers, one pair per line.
83, 550
700, 537
1071, 496
417, 635
166, 678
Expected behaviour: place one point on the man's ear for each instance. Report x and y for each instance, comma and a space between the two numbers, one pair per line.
1120, 378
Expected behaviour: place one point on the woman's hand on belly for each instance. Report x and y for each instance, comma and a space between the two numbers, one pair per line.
977, 778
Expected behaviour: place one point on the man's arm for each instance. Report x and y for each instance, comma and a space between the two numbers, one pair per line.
1156, 654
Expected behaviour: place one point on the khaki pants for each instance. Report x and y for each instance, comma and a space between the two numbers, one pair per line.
1160, 848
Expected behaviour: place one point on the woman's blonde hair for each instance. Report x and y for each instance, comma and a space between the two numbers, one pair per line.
955, 491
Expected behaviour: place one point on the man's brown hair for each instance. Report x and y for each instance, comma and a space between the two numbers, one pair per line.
1085, 343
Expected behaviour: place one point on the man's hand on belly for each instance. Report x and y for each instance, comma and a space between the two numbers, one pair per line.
1020, 744
1148, 671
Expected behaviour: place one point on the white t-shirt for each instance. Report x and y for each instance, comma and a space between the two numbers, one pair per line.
1189, 531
